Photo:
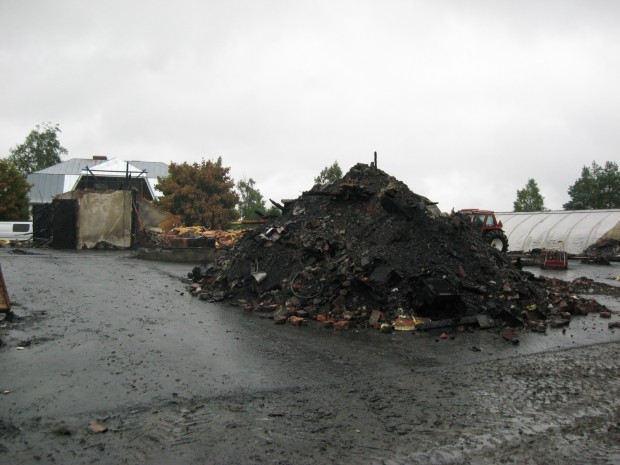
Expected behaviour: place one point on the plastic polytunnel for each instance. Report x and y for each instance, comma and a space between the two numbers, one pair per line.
572, 231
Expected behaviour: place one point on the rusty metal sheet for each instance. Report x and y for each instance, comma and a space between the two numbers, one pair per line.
5, 302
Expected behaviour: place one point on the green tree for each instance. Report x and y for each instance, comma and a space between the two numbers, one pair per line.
597, 188
40, 150
582, 192
201, 193
273, 212
529, 198
13, 193
251, 202
329, 174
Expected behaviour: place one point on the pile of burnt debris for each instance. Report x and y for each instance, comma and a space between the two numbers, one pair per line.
602, 252
366, 251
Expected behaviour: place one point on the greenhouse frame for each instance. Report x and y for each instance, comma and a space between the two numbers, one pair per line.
569, 230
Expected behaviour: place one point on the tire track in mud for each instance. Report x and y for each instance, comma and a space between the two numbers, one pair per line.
561, 407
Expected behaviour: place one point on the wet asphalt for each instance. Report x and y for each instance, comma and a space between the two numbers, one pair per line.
104, 336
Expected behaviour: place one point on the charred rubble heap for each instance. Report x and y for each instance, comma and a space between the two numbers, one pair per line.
365, 250
602, 252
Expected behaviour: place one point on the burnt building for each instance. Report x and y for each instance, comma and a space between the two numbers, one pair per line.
71, 195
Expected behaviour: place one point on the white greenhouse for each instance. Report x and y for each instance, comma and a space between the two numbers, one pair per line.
572, 231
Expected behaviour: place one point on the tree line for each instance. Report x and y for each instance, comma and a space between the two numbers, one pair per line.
597, 188
201, 193
205, 194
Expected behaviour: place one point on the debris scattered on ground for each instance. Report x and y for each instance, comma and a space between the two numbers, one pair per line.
602, 252
366, 251
192, 236
7, 243
61, 430
95, 427
22, 252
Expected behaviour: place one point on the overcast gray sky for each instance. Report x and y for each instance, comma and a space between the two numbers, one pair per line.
464, 101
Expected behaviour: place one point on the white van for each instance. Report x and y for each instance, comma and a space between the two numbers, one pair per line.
16, 231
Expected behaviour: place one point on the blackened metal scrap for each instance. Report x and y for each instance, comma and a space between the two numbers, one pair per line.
306, 285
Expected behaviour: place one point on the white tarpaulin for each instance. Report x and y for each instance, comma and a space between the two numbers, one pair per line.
572, 230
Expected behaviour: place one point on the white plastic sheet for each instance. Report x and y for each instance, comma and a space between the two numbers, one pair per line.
572, 231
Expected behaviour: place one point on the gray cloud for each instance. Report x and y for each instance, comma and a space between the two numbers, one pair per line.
464, 101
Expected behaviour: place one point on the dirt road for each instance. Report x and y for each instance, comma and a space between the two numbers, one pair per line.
104, 337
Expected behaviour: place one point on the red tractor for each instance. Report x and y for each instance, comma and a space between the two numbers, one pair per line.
486, 224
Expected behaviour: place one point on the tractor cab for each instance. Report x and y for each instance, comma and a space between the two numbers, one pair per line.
485, 223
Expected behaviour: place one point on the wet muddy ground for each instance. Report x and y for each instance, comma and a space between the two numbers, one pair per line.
104, 337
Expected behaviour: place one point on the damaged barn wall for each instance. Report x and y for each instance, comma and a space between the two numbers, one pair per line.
103, 217
153, 218
573, 230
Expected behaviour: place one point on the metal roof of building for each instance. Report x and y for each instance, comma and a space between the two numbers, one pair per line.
60, 178
76, 165
45, 187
